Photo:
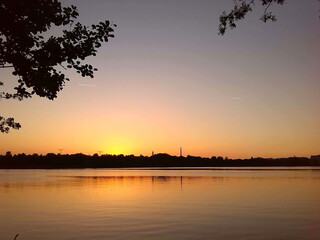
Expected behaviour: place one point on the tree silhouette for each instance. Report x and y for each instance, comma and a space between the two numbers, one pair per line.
240, 10
37, 58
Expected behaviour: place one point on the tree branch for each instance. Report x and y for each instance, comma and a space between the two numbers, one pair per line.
7, 123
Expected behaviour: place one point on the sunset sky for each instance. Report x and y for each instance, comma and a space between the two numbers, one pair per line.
168, 79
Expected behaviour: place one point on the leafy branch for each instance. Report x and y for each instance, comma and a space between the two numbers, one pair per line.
241, 9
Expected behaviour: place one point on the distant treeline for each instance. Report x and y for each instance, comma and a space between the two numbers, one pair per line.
51, 160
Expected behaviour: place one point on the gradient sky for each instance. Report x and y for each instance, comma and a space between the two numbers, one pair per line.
168, 79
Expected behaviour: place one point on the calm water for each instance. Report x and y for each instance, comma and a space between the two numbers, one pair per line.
259, 203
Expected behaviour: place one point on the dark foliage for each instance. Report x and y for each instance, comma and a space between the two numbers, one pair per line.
7, 123
35, 57
240, 10
51, 160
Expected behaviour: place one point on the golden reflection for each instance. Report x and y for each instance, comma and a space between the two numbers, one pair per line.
80, 181
98, 203
104, 181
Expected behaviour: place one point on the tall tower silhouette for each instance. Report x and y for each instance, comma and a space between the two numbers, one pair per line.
180, 151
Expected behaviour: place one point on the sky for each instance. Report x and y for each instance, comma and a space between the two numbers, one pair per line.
168, 79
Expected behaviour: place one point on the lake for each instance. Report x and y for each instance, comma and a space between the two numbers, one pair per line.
189, 203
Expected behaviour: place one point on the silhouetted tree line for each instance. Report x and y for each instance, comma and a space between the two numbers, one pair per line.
80, 160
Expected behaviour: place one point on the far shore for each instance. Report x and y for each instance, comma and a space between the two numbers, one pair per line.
161, 161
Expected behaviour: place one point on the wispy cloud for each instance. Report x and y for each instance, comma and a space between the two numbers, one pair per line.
86, 85
236, 98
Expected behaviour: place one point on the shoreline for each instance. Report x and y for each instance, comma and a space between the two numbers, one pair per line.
81, 161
